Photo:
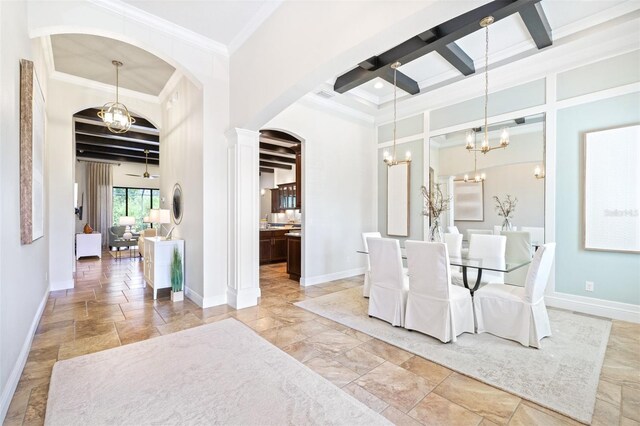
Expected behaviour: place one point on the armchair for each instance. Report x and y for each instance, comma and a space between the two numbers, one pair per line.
116, 232
150, 232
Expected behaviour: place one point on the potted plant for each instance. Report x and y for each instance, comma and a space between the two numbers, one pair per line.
177, 295
436, 204
505, 209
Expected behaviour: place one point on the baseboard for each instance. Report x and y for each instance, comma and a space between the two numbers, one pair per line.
243, 298
592, 306
14, 377
61, 285
204, 302
193, 296
320, 279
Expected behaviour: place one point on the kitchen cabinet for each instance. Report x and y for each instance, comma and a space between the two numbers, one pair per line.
294, 256
284, 197
273, 246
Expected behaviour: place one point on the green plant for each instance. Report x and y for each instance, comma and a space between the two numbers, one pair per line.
176, 271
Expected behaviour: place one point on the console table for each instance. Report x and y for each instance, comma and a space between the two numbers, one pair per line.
88, 245
157, 262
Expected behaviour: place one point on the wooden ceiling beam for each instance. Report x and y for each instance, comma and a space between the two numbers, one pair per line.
140, 146
458, 58
536, 21
118, 158
275, 165
114, 151
268, 157
97, 130
276, 148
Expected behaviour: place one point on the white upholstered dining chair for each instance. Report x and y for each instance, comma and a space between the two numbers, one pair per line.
471, 232
518, 313
434, 306
367, 284
454, 244
389, 283
453, 230
518, 249
537, 234
489, 247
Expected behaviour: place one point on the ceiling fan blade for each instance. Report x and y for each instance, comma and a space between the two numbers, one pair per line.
131, 174
154, 177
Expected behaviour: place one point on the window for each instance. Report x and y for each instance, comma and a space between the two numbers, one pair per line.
134, 202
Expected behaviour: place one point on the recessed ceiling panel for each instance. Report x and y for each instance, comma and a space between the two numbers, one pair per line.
90, 57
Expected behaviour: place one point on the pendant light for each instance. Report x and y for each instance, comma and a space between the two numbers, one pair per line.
504, 137
391, 159
477, 177
114, 114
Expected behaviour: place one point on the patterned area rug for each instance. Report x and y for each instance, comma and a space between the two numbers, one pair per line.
220, 373
562, 375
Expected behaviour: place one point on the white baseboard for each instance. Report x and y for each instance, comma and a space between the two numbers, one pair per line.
592, 306
14, 377
193, 296
244, 298
61, 285
320, 279
204, 302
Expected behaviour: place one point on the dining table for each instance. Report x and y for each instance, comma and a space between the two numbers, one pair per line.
466, 263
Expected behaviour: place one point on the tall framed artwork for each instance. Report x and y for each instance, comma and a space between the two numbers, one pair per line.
468, 198
611, 190
32, 134
398, 200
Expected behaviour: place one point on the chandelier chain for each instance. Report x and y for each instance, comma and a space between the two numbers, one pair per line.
395, 113
486, 83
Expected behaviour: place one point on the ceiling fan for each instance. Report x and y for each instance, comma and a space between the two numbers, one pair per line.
146, 174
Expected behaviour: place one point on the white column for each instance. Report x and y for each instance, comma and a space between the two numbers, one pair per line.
243, 285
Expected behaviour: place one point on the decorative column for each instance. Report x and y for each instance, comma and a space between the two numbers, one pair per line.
243, 284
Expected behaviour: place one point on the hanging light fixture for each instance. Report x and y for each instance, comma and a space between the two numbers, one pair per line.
391, 159
114, 114
477, 177
504, 137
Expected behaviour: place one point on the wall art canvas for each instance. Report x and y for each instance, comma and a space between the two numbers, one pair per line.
398, 200
32, 134
468, 199
611, 190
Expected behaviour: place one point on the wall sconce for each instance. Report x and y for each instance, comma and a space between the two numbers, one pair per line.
538, 173
263, 191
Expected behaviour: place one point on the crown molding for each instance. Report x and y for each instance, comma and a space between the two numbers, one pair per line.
107, 88
266, 10
145, 18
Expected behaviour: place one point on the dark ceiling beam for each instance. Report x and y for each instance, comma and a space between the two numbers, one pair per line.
275, 165
458, 58
118, 158
97, 130
266, 170
92, 114
115, 151
536, 21
153, 147
403, 81
269, 157
276, 148
432, 40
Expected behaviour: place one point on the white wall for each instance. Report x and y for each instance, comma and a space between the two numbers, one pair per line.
181, 144
281, 176
23, 268
339, 189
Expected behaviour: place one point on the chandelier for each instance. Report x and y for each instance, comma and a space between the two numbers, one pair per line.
114, 114
391, 160
504, 137
477, 177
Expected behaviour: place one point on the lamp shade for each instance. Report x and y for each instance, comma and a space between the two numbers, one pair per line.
127, 220
164, 216
146, 219
154, 215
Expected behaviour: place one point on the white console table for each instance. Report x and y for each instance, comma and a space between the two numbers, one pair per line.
157, 262
88, 245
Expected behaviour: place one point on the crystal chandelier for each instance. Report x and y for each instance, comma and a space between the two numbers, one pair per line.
114, 114
504, 137
391, 160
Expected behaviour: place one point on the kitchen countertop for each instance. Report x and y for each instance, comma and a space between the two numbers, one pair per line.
292, 234
280, 228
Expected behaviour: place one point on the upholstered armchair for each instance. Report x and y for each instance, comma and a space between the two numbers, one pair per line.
116, 232
150, 232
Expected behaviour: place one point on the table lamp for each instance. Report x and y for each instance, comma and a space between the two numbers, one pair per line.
127, 221
160, 216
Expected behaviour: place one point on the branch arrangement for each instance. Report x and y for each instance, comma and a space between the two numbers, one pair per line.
435, 202
507, 207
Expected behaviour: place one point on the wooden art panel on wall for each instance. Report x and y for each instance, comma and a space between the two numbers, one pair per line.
468, 201
612, 190
32, 133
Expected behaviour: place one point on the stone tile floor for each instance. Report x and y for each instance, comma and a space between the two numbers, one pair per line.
110, 306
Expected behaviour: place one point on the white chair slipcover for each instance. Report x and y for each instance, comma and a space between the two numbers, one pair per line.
434, 306
518, 249
470, 232
518, 313
367, 284
452, 230
537, 234
490, 247
389, 283
454, 244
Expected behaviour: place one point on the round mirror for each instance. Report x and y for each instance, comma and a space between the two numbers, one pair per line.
176, 204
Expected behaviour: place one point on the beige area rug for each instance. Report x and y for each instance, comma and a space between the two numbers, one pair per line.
220, 373
562, 376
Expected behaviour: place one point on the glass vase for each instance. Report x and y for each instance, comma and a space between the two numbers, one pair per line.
435, 232
506, 224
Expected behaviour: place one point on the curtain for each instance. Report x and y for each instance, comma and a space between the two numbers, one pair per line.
99, 195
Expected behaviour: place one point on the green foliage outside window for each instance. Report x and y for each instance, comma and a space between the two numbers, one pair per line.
134, 202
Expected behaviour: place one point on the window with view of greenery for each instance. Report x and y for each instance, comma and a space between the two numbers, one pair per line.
134, 202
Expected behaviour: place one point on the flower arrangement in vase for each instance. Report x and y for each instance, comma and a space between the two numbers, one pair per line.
436, 204
177, 294
505, 210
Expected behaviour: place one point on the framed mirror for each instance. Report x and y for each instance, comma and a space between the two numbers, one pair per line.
176, 204
398, 200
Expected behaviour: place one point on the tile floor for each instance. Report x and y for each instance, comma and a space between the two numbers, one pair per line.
110, 306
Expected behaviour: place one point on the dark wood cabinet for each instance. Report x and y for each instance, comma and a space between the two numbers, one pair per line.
294, 256
273, 246
275, 200
284, 197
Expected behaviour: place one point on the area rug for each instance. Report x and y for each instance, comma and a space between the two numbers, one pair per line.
562, 375
220, 373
